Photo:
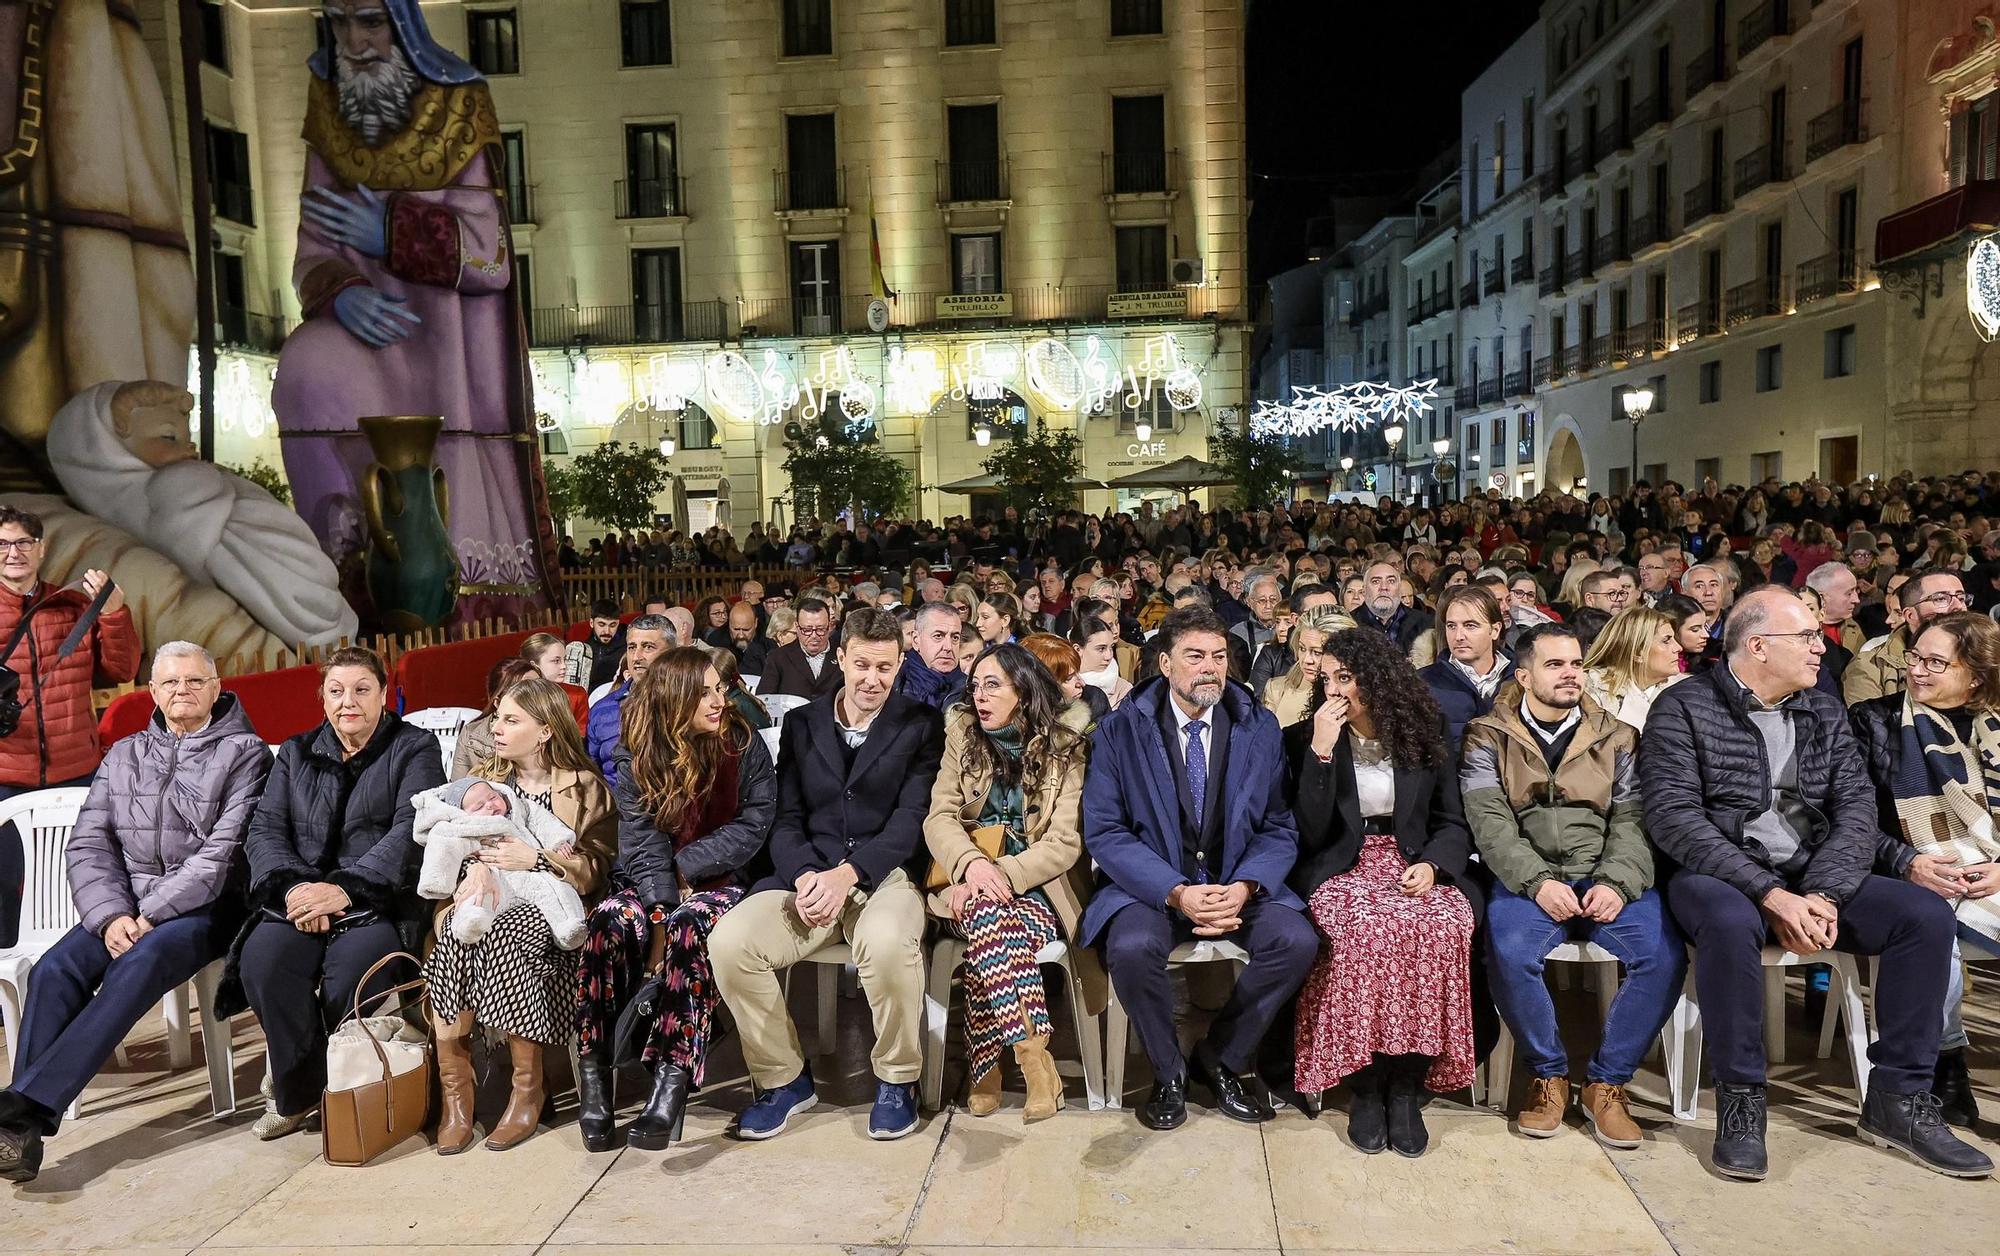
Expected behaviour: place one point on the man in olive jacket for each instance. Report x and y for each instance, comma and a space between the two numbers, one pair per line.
1551, 789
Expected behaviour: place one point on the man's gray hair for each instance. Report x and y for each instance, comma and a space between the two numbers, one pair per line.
1687, 577
1824, 576
182, 650
1748, 617
655, 623
937, 610
867, 591
1103, 586
1264, 574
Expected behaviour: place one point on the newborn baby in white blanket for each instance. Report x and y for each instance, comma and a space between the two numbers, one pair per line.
455, 820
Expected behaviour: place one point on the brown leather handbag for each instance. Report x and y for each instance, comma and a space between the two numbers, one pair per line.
992, 843
380, 1074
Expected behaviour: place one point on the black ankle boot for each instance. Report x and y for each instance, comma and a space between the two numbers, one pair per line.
1952, 1084
1739, 1132
594, 1103
660, 1124
1911, 1124
1406, 1105
1367, 1122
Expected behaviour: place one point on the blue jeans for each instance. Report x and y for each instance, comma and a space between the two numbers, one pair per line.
1954, 992
1519, 936
14, 861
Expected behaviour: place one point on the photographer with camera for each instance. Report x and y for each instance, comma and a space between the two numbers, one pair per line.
48, 728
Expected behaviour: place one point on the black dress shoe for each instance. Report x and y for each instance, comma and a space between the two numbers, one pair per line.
1166, 1107
1232, 1098
1739, 1133
1911, 1124
20, 1154
1952, 1084
1406, 1105
593, 1103
1367, 1117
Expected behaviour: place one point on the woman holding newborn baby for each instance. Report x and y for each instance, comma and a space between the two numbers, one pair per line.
517, 978
696, 796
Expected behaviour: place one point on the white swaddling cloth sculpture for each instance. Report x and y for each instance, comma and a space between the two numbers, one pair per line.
122, 453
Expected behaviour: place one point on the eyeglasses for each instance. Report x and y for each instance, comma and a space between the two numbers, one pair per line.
1944, 598
25, 545
1928, 664
1804, 636
174, 684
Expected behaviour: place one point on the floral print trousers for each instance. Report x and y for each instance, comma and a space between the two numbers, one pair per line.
616, 943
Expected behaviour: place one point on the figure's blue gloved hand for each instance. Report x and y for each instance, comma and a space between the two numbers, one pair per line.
361, 221
375, 318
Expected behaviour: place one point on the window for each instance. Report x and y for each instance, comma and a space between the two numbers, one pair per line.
1527, 136
215, 35
1138, 144
1472, 181
808, 28
1658, 384
514, 160
1153, 410
656, 294
652, 171
555, 443
524, 288
494, 43
968, 23
1706, 469
697, 429
1524, 445
1770, 368
975, 263
1711, 383
1472, 446
1767, 466
816, 286
1142, 259
229, 175
1499, 158
973, 132
812, 179
231, 308
645, 33
1499, 441
1840, 352
1136, 17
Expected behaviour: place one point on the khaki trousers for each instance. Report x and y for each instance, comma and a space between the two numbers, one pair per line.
763, 935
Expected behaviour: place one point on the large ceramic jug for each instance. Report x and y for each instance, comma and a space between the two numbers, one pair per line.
412, 564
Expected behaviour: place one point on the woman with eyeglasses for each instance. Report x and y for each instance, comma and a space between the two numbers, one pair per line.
1880, 667
1934, 753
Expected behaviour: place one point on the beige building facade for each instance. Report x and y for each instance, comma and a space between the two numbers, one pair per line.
1058, 188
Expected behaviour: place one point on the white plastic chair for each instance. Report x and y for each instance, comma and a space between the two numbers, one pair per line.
1494, 1079
780, 705
45, 819
445, 724
837, 956
1116, 1025
1843, 993
751, 682
947, 955
770, 736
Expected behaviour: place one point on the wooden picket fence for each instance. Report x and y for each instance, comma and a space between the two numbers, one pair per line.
632, 586
393, 646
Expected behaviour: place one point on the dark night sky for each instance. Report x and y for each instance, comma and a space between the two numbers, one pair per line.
1353, 96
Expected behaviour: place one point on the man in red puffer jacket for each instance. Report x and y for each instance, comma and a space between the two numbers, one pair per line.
56, 740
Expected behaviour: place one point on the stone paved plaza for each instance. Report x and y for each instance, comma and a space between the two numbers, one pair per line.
147, 1170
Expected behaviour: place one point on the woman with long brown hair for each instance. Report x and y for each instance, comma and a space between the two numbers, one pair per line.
696, 796
516, 979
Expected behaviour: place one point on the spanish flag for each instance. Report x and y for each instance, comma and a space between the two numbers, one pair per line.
881, 286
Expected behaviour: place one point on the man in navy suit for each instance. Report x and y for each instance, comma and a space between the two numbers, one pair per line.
1184, 812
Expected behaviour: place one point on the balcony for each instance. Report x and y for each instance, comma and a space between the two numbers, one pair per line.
1489, 392
1764, 30
1580, 162
1613, 137
1629, 344
1703, 200
1710, 69
1569, 361
1519, 382
1760, 166
1763, 297
627, 324
1543, 372
1576, 266
1142, 174
1465, 397
1496, 279
1646, 231
1596, 352
971, 182
1523, 269
1468, 295
806, 191
242, 329
1835, 129
1549, 282
1442, 372
650, 198
1371, 306
1652, 111
1613, 247
1829, 275
1555, 179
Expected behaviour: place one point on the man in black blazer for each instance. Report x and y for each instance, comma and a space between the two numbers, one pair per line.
804, 668
855, 770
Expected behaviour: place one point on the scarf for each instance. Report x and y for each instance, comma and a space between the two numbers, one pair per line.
919, 683
718, 808
1945, 794
1004, 802
1485, 686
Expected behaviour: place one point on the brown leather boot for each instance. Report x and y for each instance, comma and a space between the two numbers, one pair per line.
455, 1086
1542, 1115
1610, 1113
982, 1098
524, 1102
1038, 1069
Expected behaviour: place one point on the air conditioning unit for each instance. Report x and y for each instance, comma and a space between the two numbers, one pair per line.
1186, 272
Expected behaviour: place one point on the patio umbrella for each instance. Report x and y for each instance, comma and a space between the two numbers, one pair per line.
1183, 475
987, 482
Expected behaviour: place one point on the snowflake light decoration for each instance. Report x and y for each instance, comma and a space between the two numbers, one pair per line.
1348, 408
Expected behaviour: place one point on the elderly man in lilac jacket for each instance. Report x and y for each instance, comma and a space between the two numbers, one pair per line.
155, 868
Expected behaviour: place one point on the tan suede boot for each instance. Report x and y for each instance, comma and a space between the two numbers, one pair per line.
1038, 1069
524, 1102
982, 1098
455, 1086
1610, 1114
1542, 1115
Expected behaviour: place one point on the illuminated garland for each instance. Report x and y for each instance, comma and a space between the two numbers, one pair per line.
1347, 408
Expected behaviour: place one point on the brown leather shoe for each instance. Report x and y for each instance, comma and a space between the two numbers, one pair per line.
1542, 1115
455, 1088
1038, 1069
1609, 1112
982, 1098
524, 1101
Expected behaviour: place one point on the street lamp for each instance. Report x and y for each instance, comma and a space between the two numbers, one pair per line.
1394, 435
1638, 403
982, 436
1441, 466
667, 446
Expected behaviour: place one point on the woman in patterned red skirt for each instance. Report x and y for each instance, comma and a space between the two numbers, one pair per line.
696, 796
1382, 867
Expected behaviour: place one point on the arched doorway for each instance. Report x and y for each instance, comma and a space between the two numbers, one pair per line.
1563, 468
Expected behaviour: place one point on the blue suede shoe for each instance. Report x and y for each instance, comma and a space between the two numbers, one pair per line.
773, 1109
895, 1111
